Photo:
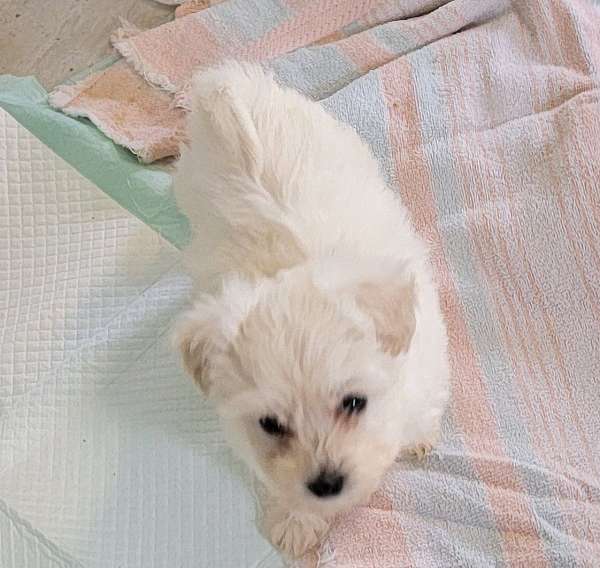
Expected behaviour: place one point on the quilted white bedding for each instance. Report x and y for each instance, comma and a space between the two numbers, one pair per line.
108, 455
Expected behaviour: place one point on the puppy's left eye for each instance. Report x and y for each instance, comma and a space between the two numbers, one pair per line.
272, 426
353, 404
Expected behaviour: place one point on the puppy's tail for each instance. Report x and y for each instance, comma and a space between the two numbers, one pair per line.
226, 95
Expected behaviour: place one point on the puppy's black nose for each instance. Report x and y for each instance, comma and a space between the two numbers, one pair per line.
327, 484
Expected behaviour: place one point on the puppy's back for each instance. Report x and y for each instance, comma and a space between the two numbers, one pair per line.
262, 155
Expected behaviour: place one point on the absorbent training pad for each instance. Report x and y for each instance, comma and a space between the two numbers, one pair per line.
109, 457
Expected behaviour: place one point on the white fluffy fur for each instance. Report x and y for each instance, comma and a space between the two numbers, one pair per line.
311, 285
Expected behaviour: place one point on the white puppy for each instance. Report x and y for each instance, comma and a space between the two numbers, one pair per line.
316, 329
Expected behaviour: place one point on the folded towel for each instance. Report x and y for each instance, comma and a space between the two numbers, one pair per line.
485, 117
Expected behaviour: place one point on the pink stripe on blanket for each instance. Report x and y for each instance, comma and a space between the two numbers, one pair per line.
364, 52
304, 28
127, 110
167, 56
382, 545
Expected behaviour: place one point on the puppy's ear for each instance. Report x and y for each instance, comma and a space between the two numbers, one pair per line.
206, 331
391, 304
385, 292
197, 336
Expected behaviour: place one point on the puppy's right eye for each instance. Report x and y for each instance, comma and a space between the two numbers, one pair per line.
271, 426
354, 404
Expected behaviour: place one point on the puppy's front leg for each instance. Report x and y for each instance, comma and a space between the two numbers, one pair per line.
293, 533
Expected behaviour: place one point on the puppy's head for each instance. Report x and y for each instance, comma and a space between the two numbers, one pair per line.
306, 370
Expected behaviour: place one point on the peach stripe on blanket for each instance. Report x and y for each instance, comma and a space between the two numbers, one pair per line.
485, 118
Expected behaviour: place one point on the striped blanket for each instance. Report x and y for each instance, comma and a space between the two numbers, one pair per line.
485, 117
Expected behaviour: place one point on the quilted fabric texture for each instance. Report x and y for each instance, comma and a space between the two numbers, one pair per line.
108, 455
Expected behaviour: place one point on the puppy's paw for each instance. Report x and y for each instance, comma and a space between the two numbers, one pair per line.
420, 451
297, 533
422, 448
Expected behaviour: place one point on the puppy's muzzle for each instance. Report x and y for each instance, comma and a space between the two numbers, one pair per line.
326, 484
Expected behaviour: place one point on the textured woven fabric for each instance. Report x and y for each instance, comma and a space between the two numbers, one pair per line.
485, 117
108, 455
